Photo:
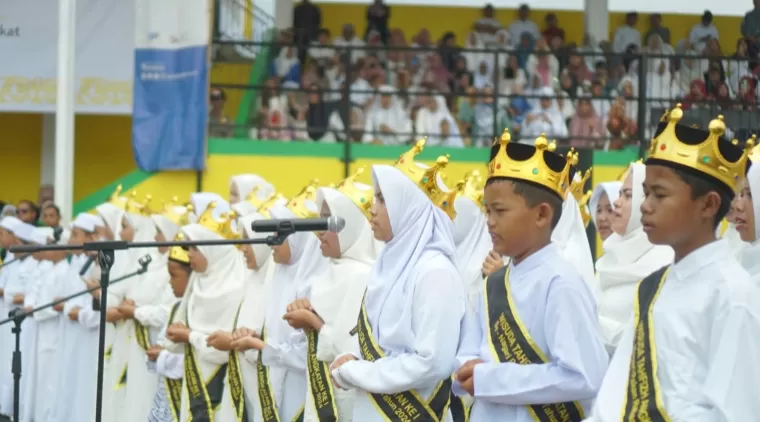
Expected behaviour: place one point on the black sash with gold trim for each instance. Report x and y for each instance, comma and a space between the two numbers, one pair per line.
322, 393
204, 396
460, 412
643, 402
235, 379
406, 406
142, 335
174, 387
511, 342
269, 412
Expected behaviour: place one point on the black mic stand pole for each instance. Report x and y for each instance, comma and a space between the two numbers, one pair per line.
106, 251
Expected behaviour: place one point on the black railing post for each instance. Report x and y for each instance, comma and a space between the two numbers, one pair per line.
643, 106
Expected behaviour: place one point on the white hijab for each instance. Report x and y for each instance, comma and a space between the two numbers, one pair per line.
112, 216
421, 232
201, 200
612, 189
246, 183
750, 256
346, 276
151, 286
167, 227
570, 236
258, 281
622, 261
292, 281
215, 295
472, 242
555, 127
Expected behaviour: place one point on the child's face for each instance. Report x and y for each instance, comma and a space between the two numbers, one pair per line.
127, 231
178, 278
444, 127
695, 90
745, 214
723, 90
603, 217
669, 215
513, 225
622, 213
596, 90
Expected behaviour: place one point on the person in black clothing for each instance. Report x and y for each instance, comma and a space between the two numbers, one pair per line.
378, 14
307, 19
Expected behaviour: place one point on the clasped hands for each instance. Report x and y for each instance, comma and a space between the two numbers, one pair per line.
301, 315
465, 376
125, 310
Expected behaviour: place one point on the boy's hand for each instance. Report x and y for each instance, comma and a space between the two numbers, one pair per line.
492, 263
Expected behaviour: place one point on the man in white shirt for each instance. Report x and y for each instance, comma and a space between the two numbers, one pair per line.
627, 34
703, 32
487, 25
522, 25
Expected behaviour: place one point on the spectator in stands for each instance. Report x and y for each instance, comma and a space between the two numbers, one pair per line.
577, 68
349, 39
387, 121
524, 25
361, 90
747, 93
51, 216
697, 95
703, 32
27, 211
658, 77
627, 35
378, 14
320, 49
307, 20
599, 99
219, 123
486, 119
627, 88
585, 126
487, 26
739, 65
621, 128
317, 114
689, 72
552, 29
565, 105
473, 59
399, 56
543, 64
569, 84
503, 45
592, 54
46, 194
287, 66
484, 75
656, 27
546, 118
750, 26
432, 112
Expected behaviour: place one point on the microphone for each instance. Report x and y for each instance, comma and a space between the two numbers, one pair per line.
332, 224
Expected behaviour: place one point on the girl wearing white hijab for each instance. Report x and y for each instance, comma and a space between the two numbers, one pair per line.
428, 122
604, 195
210, 305
571, 239
471, 235
55, 269
410, 320
628, 258
748, 222
331, 312
242, 185
281, 363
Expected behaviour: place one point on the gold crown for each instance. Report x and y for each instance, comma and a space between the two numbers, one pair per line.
427, 179
254, 199
178, 253
172, 213
577, 184
298, 204
705, 156
362, 198
272, 199
754, 155
534, 169
472, 187
582, 206
222, 225
129, 203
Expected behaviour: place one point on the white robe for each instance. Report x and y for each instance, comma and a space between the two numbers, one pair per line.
750, 255
7, 338
706, 327
571, 239
473, 245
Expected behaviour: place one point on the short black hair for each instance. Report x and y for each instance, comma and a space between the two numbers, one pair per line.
534, 195
701, 186
55, 207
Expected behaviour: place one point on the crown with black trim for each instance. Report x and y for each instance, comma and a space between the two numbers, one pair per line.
472, 188
578, 183
171, 211
129, 203
430, 179
298, 205
178, 253
362, 198
707, 152
537, 164
583, 207
222, 225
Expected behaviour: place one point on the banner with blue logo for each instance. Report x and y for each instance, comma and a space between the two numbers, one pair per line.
170, 96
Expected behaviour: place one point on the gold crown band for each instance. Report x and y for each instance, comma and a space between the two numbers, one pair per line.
472, 188
430, 180
222, 225
178, 253
362, 198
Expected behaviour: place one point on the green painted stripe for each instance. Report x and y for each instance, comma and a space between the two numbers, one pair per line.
616, 158
259, 71
128, 181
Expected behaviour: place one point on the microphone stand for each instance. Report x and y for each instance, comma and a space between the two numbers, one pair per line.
18, 315
106, 250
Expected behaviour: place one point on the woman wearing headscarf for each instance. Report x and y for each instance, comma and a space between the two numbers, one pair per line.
471, 237
585, 126
546, 118
486, 120
543, 63
428, 122
473, 59
628, 258
604, 195
331, 311
408, 328
278, 349
210, 304
387, 121
242, 185
748, 222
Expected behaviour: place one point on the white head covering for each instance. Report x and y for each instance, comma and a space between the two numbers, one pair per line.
112, 217
473, 243
612, 189
246, 183
258, 282
83, 222
167, 227
42, 235
25, 232
750, 255
201, 201
149, 287
10, 223
570, 236
421, 232
214, 297
64, 238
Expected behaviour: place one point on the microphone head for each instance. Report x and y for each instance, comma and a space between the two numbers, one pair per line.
335, 224
144, 261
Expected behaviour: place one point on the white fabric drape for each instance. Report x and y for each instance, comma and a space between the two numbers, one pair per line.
473, 244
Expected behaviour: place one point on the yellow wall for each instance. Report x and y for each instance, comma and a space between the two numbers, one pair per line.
21, 141
231, 73
103, 152
459, 20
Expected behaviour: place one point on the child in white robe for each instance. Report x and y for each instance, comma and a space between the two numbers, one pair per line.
748, 221
8, 226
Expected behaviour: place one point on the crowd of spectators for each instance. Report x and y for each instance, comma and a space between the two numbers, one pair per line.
385, 87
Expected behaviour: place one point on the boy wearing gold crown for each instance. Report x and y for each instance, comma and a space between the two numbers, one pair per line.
690, 352
532, 350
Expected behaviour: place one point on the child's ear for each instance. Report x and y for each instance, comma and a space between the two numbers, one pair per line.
545, 215
711, 203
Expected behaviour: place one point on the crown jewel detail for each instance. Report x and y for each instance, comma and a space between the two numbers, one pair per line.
130, 203
298, 204
430, 180
471, 187
578, 183
221, 225
176, 213
362, 198
178, 253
